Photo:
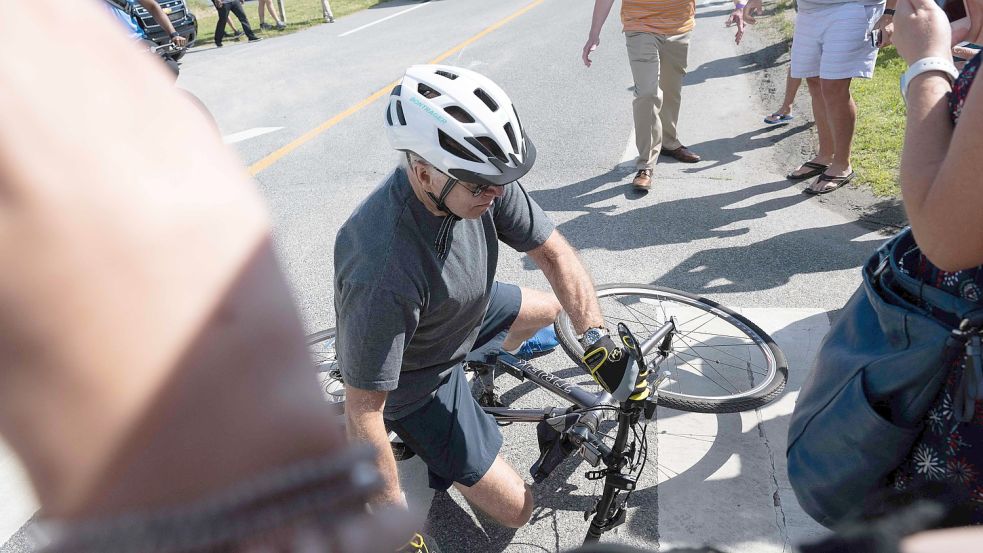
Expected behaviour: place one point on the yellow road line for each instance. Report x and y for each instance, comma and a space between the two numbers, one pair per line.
272, 158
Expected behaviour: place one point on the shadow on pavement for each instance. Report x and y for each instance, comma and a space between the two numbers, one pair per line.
671, 222
458, 532
722, 151
764, 58
772, 262
759, 266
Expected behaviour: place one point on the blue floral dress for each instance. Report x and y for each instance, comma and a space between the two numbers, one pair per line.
949, 450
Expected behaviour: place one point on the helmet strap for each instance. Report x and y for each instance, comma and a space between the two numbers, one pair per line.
446, 191
439, 201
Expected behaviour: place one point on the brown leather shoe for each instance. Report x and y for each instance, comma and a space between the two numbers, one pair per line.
642, 180
682, 153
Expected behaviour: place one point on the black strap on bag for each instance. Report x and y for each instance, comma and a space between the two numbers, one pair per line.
876, 374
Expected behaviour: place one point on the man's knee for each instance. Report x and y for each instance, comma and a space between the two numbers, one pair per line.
553, 307
647, 92
836, 89
539, 308
520, 517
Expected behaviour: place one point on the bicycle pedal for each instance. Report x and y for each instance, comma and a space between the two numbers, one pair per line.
490, 399
618, 519
587, 514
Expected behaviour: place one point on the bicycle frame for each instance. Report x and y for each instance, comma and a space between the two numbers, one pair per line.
608, 512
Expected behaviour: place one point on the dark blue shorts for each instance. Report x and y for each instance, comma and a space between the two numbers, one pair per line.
451, 433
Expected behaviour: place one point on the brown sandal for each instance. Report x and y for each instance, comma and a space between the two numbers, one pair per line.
833, 183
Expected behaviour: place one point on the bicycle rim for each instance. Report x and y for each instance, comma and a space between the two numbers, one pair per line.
322, 351
719, 361
321, 346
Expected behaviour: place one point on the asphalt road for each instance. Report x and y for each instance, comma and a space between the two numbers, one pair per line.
730, 228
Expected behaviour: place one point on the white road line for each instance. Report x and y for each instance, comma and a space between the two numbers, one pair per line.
246, 135
367, 25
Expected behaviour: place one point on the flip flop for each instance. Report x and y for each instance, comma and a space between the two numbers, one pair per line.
834, 183
817, 169
778, 118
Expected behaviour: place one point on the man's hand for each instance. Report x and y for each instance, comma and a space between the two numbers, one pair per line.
751, 10
592, 43
744, 13
886, 26
615, 369
180, 41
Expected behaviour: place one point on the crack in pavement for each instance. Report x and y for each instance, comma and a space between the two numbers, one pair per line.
780, 520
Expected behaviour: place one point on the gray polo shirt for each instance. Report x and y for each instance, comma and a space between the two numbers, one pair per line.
404, 316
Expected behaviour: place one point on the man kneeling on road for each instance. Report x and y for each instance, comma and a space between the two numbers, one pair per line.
416, 296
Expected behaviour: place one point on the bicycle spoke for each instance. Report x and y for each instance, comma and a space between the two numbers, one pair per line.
622, 320
704, 344
693, 437
731, 391
749, 342
639, 321
738, 368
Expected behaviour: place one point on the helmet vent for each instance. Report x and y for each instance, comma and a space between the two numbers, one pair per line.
427, 91
446, 74
492, 147
511, 133
399, 113
455, 147
396, 90
389, 116
484, 97
458, 113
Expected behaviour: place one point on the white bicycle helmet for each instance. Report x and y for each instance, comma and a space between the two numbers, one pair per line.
461, 123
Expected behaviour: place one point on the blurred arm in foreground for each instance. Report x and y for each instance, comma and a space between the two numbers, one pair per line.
150, 353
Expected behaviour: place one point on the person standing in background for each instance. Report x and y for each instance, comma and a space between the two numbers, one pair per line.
657, 34
234, 6
836, 41
267, 6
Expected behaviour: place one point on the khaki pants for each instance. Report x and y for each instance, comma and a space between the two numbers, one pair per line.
658, 63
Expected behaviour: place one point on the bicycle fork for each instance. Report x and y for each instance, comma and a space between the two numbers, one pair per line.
608, 513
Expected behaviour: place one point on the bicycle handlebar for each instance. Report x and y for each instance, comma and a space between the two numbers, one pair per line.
168, 48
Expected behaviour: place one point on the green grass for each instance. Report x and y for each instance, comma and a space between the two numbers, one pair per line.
879, 135
301, 14
880, 127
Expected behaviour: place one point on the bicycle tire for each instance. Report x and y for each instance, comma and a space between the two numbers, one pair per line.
766, 367
321, 347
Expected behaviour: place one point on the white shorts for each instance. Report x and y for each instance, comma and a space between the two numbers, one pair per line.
834, 42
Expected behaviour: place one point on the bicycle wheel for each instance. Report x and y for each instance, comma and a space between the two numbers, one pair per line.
321, 347
322, 350
718, 362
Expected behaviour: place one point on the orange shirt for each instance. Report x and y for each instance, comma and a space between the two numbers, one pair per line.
663, 17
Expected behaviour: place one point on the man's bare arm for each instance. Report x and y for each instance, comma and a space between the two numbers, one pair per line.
601, 10
570, 280
165, 22
363, 414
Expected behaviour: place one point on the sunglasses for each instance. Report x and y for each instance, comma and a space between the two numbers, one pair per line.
475, 189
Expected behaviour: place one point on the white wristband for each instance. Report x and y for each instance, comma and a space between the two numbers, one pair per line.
925, 65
